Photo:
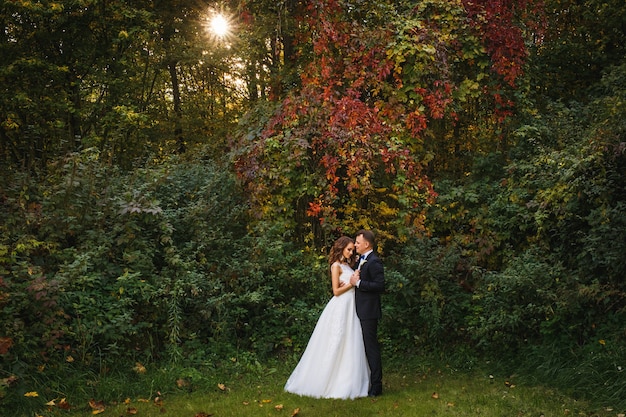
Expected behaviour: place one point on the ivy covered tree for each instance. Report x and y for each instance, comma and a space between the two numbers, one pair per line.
386, 91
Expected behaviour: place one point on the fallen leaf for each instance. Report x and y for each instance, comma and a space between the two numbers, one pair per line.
181, 383
69, 359
131, 410
143, 400
31, 394
246, 403
266, 401
127, 401
435, 395
96, 406
8, 381
221, 386
450, 404
63, 404
278, 407
295, 412
51, 403
139, 368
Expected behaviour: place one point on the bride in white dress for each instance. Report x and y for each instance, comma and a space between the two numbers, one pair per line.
333, 364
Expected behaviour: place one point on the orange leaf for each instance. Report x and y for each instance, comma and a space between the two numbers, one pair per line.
97, 406
435, 396
278, 406
31, 394
131, 410
63, 404
139, 368
295, 412
221, 386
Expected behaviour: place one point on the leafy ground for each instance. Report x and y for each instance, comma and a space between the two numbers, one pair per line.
409, 393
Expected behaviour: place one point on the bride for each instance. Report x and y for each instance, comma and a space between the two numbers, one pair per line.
333, 364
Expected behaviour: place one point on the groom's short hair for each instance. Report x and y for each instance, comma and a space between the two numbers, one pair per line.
369, 236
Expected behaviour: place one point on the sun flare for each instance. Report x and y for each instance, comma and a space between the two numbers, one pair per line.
219, 25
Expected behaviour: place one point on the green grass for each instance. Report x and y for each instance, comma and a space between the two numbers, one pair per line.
420, 393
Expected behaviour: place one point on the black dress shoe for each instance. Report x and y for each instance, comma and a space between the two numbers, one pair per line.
375, 394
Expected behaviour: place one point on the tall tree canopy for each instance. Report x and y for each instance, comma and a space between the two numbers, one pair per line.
136, 80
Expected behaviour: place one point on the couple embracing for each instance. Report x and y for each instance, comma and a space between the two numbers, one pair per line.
342, 358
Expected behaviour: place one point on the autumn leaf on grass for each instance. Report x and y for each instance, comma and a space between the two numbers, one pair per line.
221, 387
279, 407
63, 404
131, 410
435, 395
295, 412
139, 368
31, 394
181, 383
7, 382
97, 407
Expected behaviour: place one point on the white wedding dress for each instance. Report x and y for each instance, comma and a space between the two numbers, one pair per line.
333, 364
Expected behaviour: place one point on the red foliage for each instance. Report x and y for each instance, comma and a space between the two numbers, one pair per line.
499, 23
5, 344
326, 141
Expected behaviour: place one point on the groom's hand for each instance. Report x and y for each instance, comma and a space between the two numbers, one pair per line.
355, 277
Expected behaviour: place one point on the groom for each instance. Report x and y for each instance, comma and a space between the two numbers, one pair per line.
369, 280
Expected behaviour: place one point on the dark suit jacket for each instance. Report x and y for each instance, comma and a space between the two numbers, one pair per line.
367, 295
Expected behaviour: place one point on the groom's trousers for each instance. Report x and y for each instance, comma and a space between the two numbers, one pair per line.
372, 351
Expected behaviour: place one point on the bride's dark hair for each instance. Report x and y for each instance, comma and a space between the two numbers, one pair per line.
336, 252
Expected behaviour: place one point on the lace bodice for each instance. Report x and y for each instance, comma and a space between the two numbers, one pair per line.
346, 272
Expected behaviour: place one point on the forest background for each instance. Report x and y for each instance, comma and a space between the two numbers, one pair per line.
169, 196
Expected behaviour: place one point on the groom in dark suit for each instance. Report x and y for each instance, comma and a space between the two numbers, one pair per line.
369, 280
